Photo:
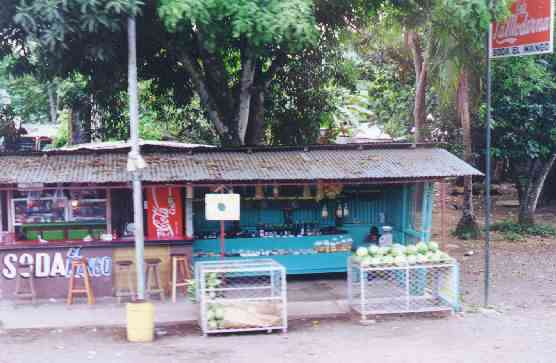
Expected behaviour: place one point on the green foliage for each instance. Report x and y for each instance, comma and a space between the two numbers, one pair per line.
525, 108
391, 99
288, 22
513, 231
48, 20
62, 136
8, 131
28, 96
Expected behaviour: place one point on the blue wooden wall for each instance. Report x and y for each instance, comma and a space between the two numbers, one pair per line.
392, 205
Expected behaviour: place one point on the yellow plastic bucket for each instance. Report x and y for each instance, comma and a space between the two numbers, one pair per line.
140, 321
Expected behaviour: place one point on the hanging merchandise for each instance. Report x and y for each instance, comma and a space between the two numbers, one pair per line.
59, 198
33, 199
259, 192
306, 191
346, 210
339, 211
189, 194
320, 194
275, 192
324, 212
75, 199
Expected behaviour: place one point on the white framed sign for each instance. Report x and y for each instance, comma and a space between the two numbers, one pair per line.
222, 207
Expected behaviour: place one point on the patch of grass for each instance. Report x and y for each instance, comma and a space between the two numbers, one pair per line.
513, 231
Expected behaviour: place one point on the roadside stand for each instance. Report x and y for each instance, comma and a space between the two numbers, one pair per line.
300, 210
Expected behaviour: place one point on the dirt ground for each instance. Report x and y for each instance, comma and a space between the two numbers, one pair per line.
522, 272
520, 327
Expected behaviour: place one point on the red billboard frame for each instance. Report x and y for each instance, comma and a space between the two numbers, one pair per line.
528, 30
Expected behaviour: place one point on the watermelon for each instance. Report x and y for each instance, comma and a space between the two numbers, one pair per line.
412, 259
362, 252
411, 250
212, 325
444, 256
398, 250
366, 261
356, 259
219, 313
422, 247
421, 258
400, 260
434, 257
388, 260
210, 315
373, 250
375, 261
382, 251
433, 246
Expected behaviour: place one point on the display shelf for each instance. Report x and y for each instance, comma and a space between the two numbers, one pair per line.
294, 263
240, 296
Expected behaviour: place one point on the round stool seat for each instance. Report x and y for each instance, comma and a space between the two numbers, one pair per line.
153, 261
124, 263
79, 259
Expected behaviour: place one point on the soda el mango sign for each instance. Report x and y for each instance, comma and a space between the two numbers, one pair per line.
52, 264
528, 30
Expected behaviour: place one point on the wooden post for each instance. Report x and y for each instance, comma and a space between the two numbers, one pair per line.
443, 211
405, 211
108, 211
1, 212
9, 204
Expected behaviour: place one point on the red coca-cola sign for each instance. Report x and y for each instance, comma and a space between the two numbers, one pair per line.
528, 30
164, 213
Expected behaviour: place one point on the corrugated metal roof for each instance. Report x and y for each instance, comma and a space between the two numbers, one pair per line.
115, 145
237, 166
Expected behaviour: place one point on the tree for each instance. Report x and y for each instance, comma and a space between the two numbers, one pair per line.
459, 30
524, 130
227, 53
28, 96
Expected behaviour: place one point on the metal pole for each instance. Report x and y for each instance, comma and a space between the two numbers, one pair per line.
487, 167
135, 152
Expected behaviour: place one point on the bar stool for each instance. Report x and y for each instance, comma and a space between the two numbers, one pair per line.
25, 286
124, 268
76, 263
152, 272
180, 264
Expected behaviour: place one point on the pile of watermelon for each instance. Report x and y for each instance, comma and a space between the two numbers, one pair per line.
400, 255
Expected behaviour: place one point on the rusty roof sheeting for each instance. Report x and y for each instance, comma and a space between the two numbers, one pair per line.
241, 166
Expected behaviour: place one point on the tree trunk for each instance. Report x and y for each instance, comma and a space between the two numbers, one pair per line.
228, 136
467, 226
79, 124
538, 171
255, 130
52, 102
247, 77
421, 74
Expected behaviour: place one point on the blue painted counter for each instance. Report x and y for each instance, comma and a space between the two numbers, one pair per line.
295, 264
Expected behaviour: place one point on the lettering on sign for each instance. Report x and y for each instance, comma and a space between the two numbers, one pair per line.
53, 264
528, 30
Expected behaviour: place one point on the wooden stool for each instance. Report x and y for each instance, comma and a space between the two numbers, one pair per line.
22, 291
124, 267
180, 264
76, 263
153, 264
